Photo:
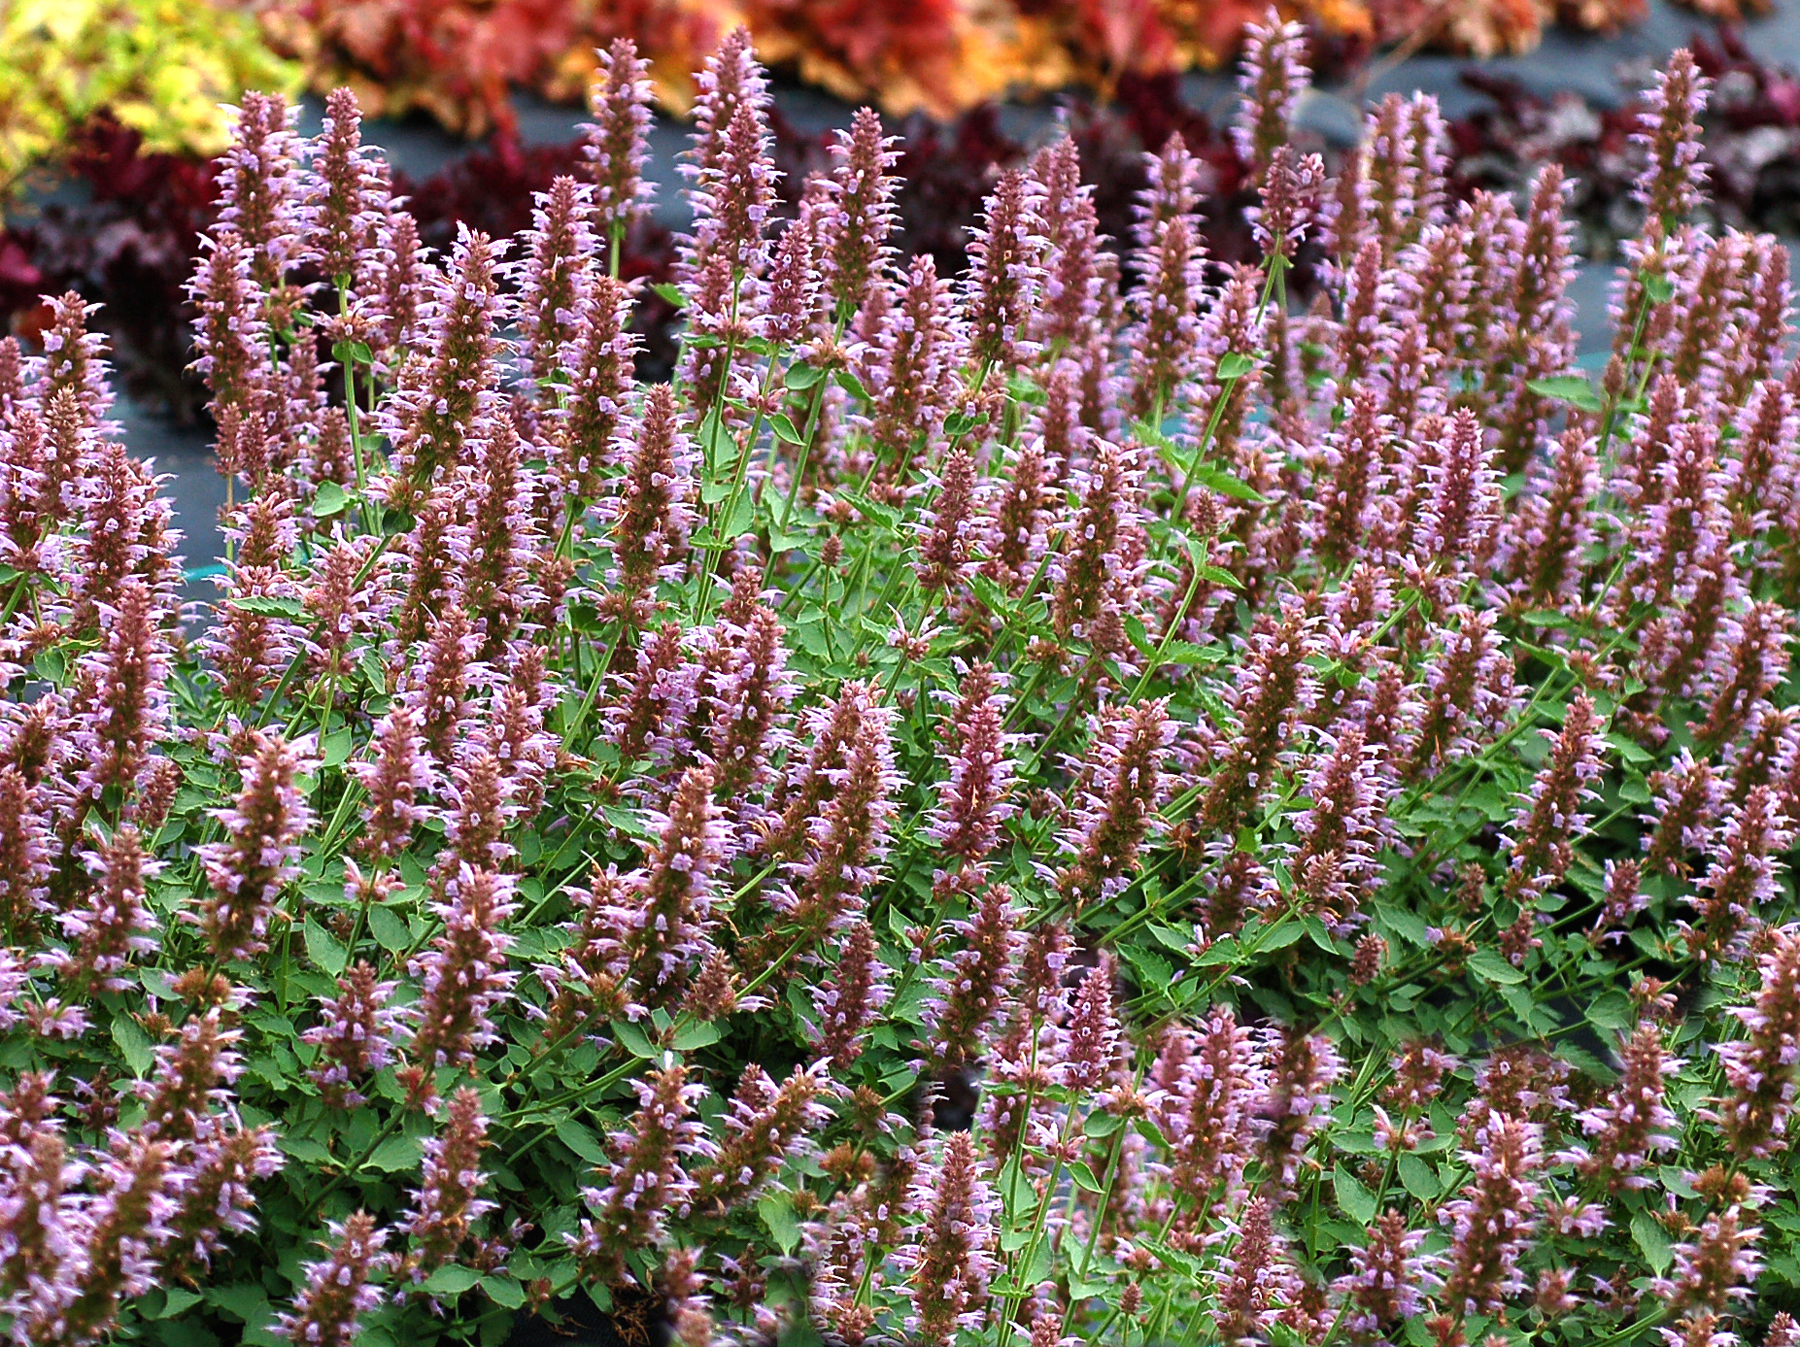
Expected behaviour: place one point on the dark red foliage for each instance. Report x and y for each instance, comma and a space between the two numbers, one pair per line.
129, 246
1752, 132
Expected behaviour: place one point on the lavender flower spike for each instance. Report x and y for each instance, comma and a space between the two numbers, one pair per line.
339, 1289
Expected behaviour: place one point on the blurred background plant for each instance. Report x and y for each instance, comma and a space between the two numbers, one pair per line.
458, 61
158, 67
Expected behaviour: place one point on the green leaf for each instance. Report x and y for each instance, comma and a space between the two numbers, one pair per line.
873, 510
634, 1040
177, 1299
776, 1208
452, 1279
1611, 1010
352, 353
389, 930
958, 424
801, 377
1217, 479
991, 594
1419, 1178
335, 747
670, 294
133, 1043
1083, 1175
1235, 365
246, 1301
504, 1290
397, 1155
1083, 1287
1573, 389
1660, 289
694, 1036
1282, 934
581, 1139
1285, 1335
269, 605
51, 665
1406, 924
784, 428
1489, 965
741, 519
1172, 937
324, 948
1649, 1236
713, 437
1356, 1201
330, 499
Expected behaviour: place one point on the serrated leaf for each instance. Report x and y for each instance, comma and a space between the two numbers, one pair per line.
712, 436
740, 521
1647, 1233
330, 499
1355, 1200
777, 1211
324, 948
1235, 365
1404, 923
246, 1301
1285, 1335
452, 1279
134, 1044
1611, 1010
503, 1290
1282, 934
334, 748
177, 1300
51, 665
1085, 1287
693, 1036
634, 1040
1171, 937
389, 931
1419, 1178
1573, 389
580, 1139
269, 605
873, 510
1490, 966
1217, 479
397, 1155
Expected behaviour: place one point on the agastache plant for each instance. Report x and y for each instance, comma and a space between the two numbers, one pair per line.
1088, 798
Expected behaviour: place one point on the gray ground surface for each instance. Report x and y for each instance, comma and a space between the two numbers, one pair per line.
1591, 65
